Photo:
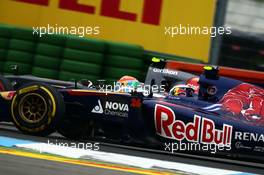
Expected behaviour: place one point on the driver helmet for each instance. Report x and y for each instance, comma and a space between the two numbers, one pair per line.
182, 90
127, 84
194, 83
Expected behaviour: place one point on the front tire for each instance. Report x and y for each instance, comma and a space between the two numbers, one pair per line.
37, 109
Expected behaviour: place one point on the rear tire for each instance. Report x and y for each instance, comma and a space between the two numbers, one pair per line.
37, 109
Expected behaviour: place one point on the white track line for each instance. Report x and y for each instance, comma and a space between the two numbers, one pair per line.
141, 162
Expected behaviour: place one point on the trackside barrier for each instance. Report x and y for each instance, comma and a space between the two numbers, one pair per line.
68, 57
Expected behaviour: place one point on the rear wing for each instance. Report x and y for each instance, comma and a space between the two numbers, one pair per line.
177, 72
159, 74
254, 77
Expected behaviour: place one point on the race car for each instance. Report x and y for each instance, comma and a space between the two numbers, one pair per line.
179, 109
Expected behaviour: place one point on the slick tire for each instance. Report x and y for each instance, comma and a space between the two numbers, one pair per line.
37, 109
5, 84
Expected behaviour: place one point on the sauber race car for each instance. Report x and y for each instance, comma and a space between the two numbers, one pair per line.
172, 110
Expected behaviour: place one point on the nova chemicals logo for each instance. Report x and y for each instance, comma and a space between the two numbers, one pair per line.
116, 106
116, 109
112, 109
98, 108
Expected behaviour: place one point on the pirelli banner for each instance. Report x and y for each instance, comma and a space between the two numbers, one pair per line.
168, 26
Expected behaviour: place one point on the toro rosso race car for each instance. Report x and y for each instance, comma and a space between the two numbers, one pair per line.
171, 110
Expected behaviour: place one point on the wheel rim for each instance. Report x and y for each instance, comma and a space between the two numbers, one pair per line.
32, 108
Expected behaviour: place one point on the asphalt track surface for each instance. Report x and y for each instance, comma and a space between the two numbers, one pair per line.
15, 165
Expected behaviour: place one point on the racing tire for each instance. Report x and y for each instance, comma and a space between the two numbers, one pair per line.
5, 84
37, 109
75, 129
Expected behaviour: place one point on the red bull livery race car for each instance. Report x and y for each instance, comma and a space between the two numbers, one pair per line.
172, 110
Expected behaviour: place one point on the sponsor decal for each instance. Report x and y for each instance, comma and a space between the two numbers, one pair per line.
259, 149
135, 103
98, 108
112, 108
165, 71
199, 130
116, 106
240, 145
28, 89
247, 136
116, 109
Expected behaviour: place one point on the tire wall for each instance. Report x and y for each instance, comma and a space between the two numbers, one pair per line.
70, 57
